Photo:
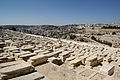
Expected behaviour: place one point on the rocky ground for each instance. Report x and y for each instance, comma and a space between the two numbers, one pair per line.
32, 57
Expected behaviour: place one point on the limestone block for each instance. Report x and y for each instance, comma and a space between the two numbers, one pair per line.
28, 41
97, 76
16, 51
3, 59
27, 48
65, 54
31, 76
91, 61
45, 52
11, 58
79, 55
76, 62
1, 50
13, 69
70, 58
38, 51
107, 59
11, 49
27, 56
54, 54
103, 55
39, 46
8, 42
83, 58
17, 55
2, 44
6, 48
55, 60
107, 69
99, 60
38, 59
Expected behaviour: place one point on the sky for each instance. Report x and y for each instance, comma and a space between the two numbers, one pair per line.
59, 12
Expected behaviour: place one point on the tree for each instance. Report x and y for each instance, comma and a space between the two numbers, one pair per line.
93, 38
13, 28
113, 33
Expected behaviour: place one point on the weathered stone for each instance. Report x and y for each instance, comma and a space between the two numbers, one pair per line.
107, 59
97, 76
75, 62
11, 49
103, 55
54, 54
107, 69
99, 60
17, 55
27, 56
87, 73
1, 50
28, 41
31, 76
2, 44
70, 58
91, 61
55, 60
27, 48
38, 51
65, 54
45, 52
38, 59
83, 58
15, 68
3, 58
8, 42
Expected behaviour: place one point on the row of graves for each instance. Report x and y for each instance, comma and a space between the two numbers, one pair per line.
20, 53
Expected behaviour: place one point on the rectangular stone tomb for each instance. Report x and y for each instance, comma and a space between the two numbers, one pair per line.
107, 69
38, 51
13, 69
99, 60
65, 54
31, 76
55, 60
27, 56
76, 62
70, 58
4, 59
17, 55
45, 52
1, 50
91, 61
11, 49
27, 48
8, 42
2, 44
107, 59
83, 58
54, 54
38, 59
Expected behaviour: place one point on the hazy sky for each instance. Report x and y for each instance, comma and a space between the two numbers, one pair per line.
59, 11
